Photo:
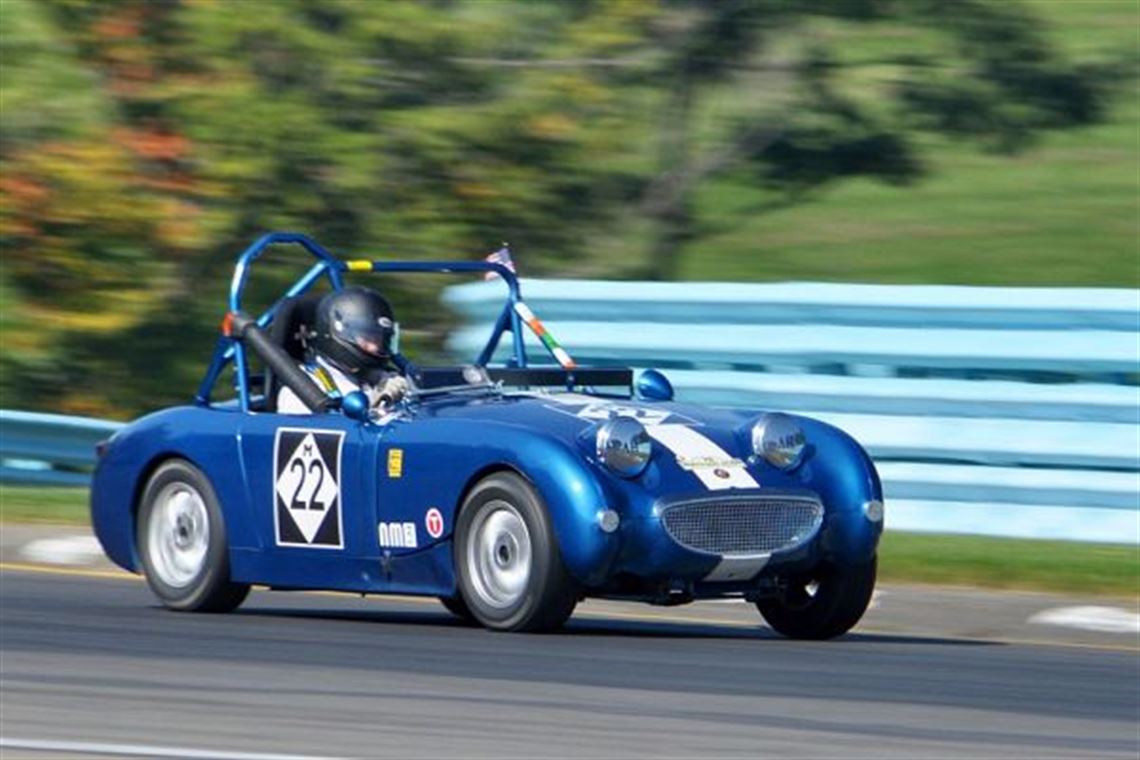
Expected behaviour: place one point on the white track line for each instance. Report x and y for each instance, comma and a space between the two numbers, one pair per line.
1091, 618
142, 750
71, 550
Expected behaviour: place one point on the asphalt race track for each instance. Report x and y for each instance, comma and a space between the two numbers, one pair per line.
97, 662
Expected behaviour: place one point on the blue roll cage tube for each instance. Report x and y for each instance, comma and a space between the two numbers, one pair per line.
230, 349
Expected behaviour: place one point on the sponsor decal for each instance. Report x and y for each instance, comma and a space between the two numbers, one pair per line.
395, 463
306, 493
433, 521
397, 535
698, 463
699, 455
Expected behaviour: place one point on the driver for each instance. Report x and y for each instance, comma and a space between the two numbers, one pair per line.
351, 350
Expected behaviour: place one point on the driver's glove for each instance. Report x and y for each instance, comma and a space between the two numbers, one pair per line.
391, 391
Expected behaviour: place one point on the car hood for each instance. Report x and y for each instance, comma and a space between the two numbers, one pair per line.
688, 430
698, 450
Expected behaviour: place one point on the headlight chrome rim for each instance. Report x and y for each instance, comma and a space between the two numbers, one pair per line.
624, 446
779, 440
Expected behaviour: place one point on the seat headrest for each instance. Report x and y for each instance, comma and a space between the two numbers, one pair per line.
293, 314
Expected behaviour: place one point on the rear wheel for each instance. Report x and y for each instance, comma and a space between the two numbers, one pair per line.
182, 542
823, 604
510, 569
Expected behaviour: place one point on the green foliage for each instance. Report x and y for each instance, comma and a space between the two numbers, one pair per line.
143, 144
45, 91
1060, 211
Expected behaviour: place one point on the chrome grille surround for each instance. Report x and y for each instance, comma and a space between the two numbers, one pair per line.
741, 526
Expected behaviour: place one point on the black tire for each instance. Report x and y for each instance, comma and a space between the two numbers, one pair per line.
207, 588
840, 599
456, 606
549, 594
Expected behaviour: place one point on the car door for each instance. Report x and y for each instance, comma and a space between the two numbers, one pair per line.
310, 483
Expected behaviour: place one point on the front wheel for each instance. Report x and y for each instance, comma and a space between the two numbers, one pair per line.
822, 604
456, 606
182, 542
507, 559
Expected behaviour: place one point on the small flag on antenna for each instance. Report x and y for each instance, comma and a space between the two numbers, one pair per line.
501, 256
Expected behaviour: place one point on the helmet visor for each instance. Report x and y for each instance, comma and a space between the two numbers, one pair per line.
371, 337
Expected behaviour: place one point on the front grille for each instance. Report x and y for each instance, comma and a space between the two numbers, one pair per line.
744, 525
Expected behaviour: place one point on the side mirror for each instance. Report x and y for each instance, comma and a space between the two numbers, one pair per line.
652, 385
355, 406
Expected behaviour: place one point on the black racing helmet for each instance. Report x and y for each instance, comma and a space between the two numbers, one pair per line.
354, 330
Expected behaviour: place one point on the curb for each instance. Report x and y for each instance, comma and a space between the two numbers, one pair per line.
950, 613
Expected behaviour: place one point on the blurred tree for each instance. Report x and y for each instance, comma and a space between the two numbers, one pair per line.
143, 144
97, 201
804, 115
373, 126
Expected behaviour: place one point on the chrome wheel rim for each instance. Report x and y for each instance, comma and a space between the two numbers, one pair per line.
178, 534
499, 555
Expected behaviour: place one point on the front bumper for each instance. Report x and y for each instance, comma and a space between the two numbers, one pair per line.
759, 532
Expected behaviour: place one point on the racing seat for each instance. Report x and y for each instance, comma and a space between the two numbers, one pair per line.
293, 316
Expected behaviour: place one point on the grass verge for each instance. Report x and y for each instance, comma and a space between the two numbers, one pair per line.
1011, 563
1061, 213
37, 504
1003, 563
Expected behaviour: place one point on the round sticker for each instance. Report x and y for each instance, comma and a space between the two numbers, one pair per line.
433, 521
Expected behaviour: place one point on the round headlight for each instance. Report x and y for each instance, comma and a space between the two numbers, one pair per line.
779, 440
624, 446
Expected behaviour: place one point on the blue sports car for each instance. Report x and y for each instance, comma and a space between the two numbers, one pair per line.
508, 492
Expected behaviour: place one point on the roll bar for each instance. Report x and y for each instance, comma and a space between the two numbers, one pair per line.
230, 347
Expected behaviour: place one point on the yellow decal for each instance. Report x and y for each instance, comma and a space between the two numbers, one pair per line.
395, 463
359, 265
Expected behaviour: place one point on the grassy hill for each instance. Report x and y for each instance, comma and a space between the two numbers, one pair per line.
1064, 212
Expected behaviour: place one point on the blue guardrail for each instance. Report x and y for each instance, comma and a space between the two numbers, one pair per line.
997, 411
1001, 411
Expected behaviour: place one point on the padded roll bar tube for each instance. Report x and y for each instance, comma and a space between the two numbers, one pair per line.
244, 328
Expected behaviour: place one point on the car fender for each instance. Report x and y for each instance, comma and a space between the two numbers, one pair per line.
137, 449
567, 484
843, 475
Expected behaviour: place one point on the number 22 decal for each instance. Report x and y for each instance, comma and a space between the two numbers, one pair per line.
306, 488
298, 467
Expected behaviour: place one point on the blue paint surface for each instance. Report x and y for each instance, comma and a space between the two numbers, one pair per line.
447, 444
